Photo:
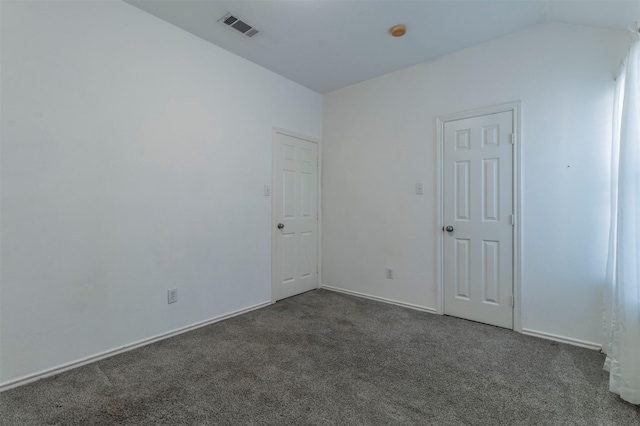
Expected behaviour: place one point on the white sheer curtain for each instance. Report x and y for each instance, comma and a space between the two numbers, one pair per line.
622, 290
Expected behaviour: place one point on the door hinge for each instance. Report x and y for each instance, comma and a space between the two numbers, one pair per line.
513, 138
513, 219
513, 301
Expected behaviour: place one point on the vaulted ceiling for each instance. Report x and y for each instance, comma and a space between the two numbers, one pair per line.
329, 44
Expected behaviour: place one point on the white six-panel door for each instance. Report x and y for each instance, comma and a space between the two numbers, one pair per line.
478, 208
295, 216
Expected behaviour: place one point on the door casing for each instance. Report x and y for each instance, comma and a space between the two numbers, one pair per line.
516, 109
274, 220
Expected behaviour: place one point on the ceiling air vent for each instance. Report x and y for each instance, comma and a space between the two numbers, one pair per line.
232, 21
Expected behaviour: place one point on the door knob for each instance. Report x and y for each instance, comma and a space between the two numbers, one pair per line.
449, 228
281, 225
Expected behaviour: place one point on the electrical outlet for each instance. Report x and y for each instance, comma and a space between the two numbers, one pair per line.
389, 273
172, 295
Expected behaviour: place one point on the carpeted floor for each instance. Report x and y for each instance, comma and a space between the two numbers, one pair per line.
329, 358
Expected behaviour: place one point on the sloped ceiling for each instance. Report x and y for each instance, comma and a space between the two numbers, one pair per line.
329, 44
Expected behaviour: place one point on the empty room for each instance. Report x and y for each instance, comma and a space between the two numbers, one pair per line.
298, 212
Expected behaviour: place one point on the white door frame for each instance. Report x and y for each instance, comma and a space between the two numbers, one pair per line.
516, 109
273, 221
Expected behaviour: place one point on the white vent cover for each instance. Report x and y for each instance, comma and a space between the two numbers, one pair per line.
231, 20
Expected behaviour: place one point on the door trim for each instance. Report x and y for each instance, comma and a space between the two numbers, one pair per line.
516, 109
272, 222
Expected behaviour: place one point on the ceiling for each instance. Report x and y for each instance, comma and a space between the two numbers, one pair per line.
329, 44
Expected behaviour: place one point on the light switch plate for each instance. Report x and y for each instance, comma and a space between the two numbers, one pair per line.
267, 190
419, 189
172, 295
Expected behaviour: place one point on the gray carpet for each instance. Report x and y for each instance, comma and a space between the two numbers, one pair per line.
328, 358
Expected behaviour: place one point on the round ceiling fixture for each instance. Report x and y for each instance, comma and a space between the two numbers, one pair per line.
398, 31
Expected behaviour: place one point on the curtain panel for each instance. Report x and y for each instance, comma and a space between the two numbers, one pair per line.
621, 319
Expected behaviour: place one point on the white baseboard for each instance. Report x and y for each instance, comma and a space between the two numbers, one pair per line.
562, 339
88, 360
106, 354
529, 332
380, 299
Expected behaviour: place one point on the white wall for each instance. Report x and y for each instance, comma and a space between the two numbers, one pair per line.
133, 160
379, 139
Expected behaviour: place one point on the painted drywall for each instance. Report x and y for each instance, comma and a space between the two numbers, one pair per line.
134, 158
379, 140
